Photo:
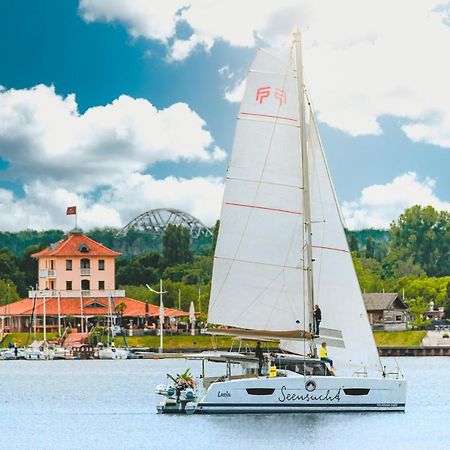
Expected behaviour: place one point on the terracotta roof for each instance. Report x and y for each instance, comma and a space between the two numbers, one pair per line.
381, 301
71, 306
70, 246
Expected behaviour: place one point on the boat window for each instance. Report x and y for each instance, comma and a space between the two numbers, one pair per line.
260, 391
306, 367
356, 391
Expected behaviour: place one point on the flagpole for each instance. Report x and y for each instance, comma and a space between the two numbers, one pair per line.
59, 315
161, 312
161, 319
45, 317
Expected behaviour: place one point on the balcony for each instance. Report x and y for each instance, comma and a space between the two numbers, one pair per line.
85, 272
47, 273
76, 294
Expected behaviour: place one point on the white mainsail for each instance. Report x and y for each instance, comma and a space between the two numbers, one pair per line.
345, 324
258, 277
259, 268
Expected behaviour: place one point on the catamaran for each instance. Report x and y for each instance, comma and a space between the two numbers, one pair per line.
281, 250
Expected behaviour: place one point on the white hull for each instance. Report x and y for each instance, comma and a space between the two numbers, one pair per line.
38, 355
113, 353
289, 394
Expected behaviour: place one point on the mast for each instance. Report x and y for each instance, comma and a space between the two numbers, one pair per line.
306, 188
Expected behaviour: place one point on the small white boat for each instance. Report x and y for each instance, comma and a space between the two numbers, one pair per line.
113, 353
38, 351
281, 250
10, 354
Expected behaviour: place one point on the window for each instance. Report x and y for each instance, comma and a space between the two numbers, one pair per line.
85, 285
95, 305
52, 264
68, 264
83, 248
85, 263
398, 318
101, 285
101, 264
68, 285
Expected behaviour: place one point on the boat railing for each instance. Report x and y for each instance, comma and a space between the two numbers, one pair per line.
394, 373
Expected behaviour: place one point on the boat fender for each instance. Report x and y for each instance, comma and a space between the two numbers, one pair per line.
189, 394
171, 391
190, 408
273, 371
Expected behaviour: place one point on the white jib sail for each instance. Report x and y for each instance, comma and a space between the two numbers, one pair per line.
257, 278
345, 325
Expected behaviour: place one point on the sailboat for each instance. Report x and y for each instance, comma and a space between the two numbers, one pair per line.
281, 250
111, 351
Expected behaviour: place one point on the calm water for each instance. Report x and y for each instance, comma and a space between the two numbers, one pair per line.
111, 404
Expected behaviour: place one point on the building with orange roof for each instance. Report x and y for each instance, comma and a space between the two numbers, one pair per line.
76, 281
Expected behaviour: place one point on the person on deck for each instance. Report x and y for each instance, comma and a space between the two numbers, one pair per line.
324, 354
259, 354
317, 319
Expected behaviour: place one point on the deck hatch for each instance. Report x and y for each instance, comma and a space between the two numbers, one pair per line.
260, 391
356, 391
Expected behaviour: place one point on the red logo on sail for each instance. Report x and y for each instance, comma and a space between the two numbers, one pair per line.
262, 93
280, 95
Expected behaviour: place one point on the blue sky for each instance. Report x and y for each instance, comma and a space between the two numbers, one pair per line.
71, 58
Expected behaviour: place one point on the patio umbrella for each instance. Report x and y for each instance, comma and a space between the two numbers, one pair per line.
192, 317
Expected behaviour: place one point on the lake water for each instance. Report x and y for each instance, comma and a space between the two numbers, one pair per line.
111, 404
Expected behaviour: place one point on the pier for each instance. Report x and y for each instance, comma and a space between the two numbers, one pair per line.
414, 351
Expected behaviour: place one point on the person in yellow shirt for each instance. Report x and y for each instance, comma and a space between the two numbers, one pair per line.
324, 354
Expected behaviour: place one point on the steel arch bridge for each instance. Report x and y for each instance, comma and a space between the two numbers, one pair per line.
156, 221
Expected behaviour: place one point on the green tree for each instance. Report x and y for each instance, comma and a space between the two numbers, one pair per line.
369, 273
370, 247
424, 235
28, 265
354, 243
417, 307
215, 236
139, 270
9, 270
427, 288
176, 243
8, 292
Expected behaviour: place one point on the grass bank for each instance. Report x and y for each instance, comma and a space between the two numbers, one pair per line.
399, 338
181, 342
22, 339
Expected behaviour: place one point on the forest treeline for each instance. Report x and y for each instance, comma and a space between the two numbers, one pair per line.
413, 257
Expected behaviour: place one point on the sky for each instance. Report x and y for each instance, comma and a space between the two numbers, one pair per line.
123, 106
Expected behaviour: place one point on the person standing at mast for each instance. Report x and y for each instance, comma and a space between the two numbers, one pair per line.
317, 319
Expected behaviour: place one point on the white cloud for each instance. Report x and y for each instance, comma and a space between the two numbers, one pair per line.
235, 94
363, 59
95, 160
226, 72
380, 204
44, 136
44, 207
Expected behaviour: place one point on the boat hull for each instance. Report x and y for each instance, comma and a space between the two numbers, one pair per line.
303, 394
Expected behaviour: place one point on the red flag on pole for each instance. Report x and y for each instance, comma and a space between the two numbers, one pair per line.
71, 210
